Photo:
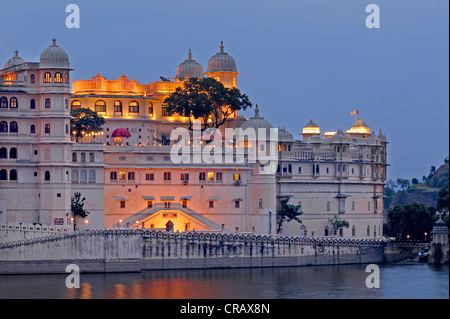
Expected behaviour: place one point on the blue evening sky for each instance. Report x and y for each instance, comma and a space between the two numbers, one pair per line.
299, 59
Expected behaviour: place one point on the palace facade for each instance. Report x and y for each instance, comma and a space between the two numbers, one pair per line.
127, 173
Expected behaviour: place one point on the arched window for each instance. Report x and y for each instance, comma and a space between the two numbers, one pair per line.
32, 104
100, 106
74, 176
48, 103
3, 152
3, 102
13, 175
92, 176
47, 77
75, 104
368, 231
131, 176
91, 157
13, 127
32, 78
67, 128
58, 77
218, 176
74, 157
113, 176
66, 77
150, 109
202, 176
353, 206
47, 176
13, 103
32, 129
13, 152
47, 129
328, 206
299, 169
3, 127
133, 107
83, 176
3, 175
117, 108
66, 103
83, 157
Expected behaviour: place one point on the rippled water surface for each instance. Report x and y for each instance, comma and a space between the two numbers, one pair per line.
407, 281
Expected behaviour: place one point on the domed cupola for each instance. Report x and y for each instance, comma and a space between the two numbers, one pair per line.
14, 61
189, 69
54, 57
222, 62
256, 121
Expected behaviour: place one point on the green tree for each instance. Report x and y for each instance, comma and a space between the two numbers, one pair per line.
411, 219
287, 213
414, 181
338, 223
85, 120
77, 206
207, 100
403, 183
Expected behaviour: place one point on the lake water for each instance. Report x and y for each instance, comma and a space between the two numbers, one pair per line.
406, 281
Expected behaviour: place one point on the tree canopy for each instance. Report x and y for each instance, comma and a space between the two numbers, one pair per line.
206, 100
411, 219
85, 120
287, 213
338, 223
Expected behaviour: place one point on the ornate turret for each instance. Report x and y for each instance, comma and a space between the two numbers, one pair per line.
223, 68
189, 69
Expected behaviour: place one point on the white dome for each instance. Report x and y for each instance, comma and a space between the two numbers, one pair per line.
14, 61
222, 62
189, 69
256, 121
54, 57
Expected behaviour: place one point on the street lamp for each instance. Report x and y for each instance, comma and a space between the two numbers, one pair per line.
426, 234
86, 222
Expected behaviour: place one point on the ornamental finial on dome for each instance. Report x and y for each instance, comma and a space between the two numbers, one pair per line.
221, 47
256, 112
189, 55
54, 42
17, 53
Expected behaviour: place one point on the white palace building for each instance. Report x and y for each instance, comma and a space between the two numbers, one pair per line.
131, 181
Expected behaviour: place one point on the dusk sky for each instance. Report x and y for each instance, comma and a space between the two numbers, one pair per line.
299, 60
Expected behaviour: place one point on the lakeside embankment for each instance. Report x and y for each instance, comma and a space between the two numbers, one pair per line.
126, 250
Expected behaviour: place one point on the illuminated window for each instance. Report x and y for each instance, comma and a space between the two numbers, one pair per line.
32, 78
4, 102
133, 107
48, 103
76, 105
149, 204
122, 176
184, 203
58, 77
117, 108
236, 177
13, 103
66, 76
210, 176
164, 111
100, 106
47, 77
13, 127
